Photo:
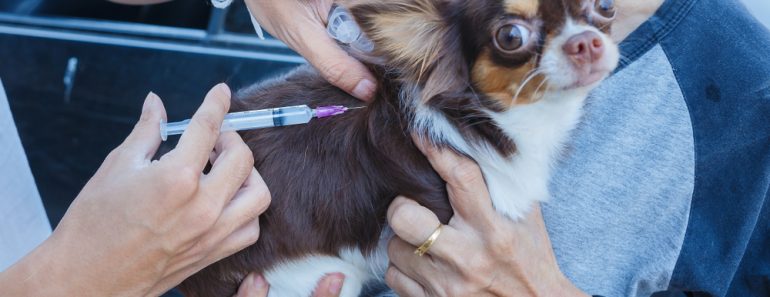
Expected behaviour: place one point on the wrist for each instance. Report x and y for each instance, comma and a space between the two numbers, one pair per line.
34, 275
48, 271
544, 284
565, 287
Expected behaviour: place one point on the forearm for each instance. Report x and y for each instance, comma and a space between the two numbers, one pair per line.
544, 282
565, 287
38, 274
63, 267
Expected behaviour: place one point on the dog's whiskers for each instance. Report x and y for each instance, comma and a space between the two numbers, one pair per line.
527, 79
542, 83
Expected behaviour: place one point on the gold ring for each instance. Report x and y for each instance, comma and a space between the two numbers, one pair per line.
420, 251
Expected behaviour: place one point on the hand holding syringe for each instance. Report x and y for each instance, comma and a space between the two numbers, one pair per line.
341, 27
264, 118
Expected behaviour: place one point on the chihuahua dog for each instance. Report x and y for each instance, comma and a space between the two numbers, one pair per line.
500, 81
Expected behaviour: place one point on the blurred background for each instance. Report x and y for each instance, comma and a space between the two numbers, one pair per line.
77, 71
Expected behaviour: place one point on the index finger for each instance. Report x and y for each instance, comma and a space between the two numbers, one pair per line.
330, 285
334, 64
466, 187
253, 285
198, 140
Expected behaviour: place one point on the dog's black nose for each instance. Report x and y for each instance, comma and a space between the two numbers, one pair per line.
584, 48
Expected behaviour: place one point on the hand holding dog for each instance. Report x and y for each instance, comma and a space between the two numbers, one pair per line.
301, 25
256, 286
480, 252
140, 227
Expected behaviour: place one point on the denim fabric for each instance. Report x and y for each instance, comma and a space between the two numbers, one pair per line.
629, 166
721, 58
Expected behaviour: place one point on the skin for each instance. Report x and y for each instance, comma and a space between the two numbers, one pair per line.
139, 227
481, 253
630, 15
301, 24
255, 286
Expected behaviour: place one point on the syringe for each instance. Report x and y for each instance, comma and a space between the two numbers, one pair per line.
344, 29
263, 118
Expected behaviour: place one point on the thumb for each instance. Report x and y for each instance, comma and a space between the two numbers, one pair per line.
145, 138
253, 285
335, 65
330, 285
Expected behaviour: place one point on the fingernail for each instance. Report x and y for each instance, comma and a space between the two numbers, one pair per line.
364, 89
150, 106
259, 282
225, 89
149, 102
335, 286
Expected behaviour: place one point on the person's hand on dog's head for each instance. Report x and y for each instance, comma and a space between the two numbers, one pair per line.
301, 25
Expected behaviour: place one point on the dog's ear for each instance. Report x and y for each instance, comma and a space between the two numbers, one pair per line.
408, 33
417, 38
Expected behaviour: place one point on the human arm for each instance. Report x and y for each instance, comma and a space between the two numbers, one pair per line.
480, 252
140, 227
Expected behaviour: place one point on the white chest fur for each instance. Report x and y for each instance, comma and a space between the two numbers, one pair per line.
539, 131
515, 184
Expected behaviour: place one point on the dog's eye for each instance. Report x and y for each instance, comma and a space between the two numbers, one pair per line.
605, 8
511, 37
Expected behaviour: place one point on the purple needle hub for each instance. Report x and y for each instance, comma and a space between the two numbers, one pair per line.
329, 111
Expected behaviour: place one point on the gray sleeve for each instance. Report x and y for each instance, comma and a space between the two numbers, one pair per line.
23, 222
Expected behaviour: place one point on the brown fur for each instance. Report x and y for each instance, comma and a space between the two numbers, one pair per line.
333, 179
495, 81
527, 9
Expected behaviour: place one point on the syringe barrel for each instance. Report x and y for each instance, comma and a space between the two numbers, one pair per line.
247, 120
265, 118
176, 128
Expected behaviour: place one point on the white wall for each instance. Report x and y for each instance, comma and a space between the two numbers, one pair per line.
761, 9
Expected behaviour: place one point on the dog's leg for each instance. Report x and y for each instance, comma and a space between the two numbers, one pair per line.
298, 278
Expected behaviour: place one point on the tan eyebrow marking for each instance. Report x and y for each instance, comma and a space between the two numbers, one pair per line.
526, 8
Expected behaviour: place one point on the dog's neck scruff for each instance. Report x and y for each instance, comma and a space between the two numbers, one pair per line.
500, 81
